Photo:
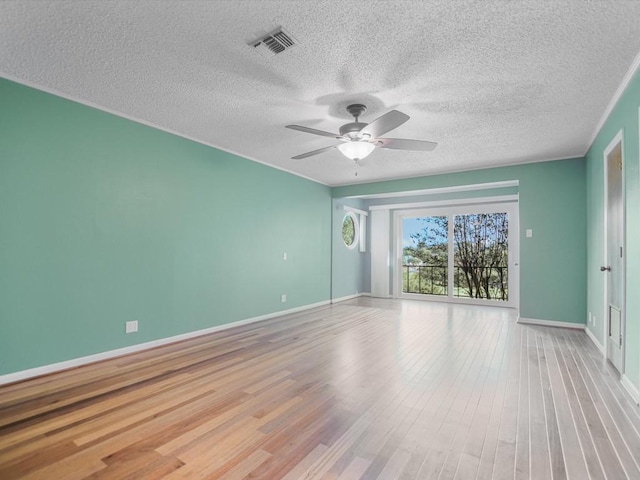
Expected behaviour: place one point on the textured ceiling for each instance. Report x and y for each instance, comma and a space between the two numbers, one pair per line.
493, 82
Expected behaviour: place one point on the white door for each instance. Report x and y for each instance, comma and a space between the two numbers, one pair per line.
614, 253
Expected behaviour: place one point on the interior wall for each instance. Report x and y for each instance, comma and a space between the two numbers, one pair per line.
552, 200
347, 263
443, 196
104, 220
623, 117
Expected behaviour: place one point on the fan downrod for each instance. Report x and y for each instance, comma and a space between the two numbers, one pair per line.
356, 109
350, 130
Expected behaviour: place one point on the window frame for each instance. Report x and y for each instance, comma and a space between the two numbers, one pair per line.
356, 229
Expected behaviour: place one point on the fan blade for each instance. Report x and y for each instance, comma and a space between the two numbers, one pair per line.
404, 144
312, 153
384, 124
313, 131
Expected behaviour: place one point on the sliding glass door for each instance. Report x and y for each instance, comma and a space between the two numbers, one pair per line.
467, 254
481, 256
425, 256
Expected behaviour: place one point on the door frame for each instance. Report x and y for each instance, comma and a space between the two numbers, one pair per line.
510, 206
617, 139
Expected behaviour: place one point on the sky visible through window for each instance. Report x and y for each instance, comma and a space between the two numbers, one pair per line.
414, 225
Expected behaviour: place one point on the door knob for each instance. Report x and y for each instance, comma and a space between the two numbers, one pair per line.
605, 269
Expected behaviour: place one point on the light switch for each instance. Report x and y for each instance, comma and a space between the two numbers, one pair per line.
529, 232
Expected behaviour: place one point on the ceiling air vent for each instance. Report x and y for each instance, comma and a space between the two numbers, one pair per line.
274, 43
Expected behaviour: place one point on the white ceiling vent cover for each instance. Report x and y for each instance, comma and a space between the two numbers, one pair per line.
274, 43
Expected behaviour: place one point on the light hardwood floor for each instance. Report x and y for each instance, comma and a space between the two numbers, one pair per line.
375, 389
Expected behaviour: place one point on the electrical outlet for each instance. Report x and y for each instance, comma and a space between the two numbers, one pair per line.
590, 321
131, 327
529, 232
283, 298
284, 256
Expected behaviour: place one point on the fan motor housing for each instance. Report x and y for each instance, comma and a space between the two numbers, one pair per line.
351, 129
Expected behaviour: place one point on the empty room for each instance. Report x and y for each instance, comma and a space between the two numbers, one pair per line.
319, 240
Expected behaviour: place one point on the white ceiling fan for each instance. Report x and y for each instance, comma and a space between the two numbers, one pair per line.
360, 139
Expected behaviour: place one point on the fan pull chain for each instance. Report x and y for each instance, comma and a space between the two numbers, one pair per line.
357, 165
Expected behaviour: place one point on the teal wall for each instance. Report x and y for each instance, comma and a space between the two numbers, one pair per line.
553, 203
440, 197
104, 220
347, 263
623, 117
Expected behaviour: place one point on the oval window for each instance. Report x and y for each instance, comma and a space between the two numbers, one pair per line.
350, 230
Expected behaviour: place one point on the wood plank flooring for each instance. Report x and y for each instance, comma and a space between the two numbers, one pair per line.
370, 388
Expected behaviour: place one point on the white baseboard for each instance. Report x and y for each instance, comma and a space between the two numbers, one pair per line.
595, 341
345, 298
631, 388
77, 362
349, 297
550, 323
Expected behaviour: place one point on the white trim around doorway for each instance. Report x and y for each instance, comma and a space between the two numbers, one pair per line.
617, 139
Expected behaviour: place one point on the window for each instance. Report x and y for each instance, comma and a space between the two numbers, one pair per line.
462, 253
350, 230
425, 255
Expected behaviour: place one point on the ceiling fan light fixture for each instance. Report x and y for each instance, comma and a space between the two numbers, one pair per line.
356, 150
360, 139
